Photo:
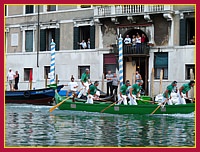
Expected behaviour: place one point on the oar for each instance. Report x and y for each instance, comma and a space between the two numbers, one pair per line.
150, 101
54, 107
159, 106
110, 105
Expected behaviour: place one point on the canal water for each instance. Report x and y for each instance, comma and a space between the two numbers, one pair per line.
32, 125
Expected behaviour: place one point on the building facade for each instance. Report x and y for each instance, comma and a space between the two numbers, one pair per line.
166, 54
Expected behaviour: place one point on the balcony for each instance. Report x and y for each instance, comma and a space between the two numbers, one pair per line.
121, 10
129, 50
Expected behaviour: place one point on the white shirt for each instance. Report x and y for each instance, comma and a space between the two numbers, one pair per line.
138, 39
83, 44
72, 85
127, 40
11, 75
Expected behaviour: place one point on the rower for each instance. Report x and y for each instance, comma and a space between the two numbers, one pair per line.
93, 93
184, 90
134, 92
122, 94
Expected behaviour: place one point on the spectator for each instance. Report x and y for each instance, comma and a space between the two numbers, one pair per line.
143, 38
115, 83
138, 77
83, 44
10, 79
133, 40
192, 41
88, 43
138, 43
16, 80
127, 40
109, 77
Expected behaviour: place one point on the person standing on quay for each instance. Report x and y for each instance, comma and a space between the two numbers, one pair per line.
115, 83
10, 79
109, 77
16, 80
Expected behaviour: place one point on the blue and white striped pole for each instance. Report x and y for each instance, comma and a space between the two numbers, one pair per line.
120, 60
52, 68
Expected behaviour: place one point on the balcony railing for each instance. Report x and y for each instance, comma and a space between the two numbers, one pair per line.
142, 49
116, 10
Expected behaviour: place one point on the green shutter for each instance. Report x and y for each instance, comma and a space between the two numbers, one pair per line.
42, 40
76, 37
29, 41
183, 38
57, 39
92, 37
161, 60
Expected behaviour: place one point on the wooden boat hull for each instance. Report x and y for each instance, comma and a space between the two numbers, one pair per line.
124, 109
43, 96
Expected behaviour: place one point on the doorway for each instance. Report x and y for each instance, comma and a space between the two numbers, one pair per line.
140, 64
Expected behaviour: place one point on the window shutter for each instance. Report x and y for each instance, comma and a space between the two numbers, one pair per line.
57, 39
42, 40
92, 37
76, 37
29, 41
161, 60
183, 32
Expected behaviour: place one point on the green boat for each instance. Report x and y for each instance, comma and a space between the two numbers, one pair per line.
112, 108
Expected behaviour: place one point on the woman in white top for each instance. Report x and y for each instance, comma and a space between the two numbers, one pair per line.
137, 76
138, 43
133, 41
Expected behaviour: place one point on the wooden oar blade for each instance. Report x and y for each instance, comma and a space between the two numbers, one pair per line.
54, 107
159, 106
110, 105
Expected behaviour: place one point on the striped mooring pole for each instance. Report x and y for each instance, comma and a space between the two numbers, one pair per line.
120, 61
52, 67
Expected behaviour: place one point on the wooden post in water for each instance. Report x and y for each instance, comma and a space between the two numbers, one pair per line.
152, 83
56, 78
192, 78
30, 78
45, 81
102, 85
161, 77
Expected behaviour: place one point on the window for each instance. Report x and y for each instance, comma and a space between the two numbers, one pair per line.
29, 9
85, 6
51, 7
46, 71
188, 69
29, 41
187, 30
161, 63
46, 36
81, 70
27, 73
84, 33
109, 64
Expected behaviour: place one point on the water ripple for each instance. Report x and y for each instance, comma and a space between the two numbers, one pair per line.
29, 125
